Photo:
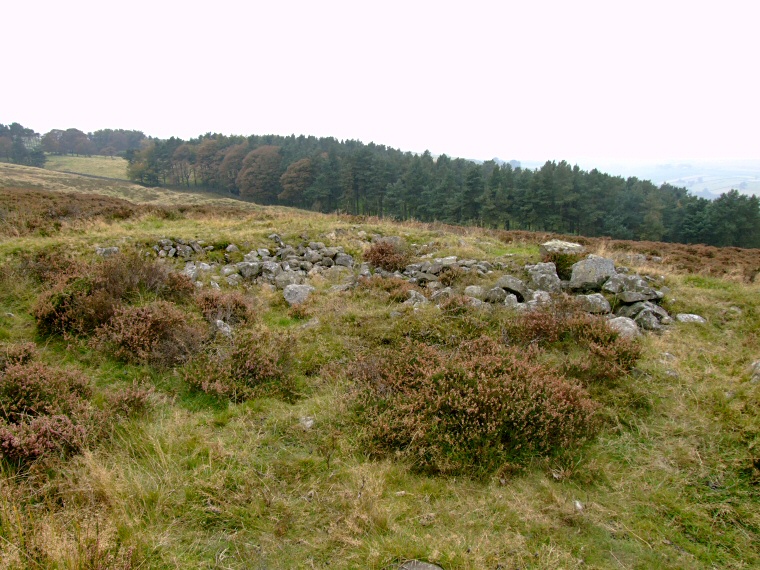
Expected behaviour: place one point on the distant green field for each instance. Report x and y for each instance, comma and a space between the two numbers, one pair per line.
115, 167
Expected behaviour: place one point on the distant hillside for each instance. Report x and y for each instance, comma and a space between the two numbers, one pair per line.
106, 166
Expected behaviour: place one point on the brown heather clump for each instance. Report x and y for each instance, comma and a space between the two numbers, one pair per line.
387, 255
253, 363
469, 410
455, 305
43, 410
84, 297
396, 288
17, 353
594, 352
232, 307
158, 333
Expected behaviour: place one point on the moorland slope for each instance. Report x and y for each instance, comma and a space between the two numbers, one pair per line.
159, 412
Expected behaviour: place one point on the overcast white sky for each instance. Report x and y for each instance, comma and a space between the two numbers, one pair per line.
527, 80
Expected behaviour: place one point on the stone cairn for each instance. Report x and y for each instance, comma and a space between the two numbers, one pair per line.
594, 281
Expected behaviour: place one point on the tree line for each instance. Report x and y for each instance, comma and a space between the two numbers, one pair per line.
326, 175
21, 145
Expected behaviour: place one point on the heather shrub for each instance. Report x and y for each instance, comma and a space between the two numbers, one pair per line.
16, 353
158, 333
455, 305
469, 410
131, 401
82, 298
35, 389
453, 275
595, 352
232, 307
41, 436
387, 255
43, 411
254, 363
607, 355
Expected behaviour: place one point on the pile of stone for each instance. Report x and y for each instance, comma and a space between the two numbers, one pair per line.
279, 266
596, 283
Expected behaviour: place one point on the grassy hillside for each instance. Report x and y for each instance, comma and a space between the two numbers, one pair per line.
268, 450
109, 167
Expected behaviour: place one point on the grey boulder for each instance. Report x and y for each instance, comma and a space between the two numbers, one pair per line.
296, 294
591, 273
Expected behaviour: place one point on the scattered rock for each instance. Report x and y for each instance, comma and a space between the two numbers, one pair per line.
475, 291
543, 276
416, 298
625, 327
223, 327
296, 294
418, 565
307, 422
562, 247
496, 295
595, 304
107, 251
514, 285
689, 318
648, 320
591, 273
755, 371
285, 278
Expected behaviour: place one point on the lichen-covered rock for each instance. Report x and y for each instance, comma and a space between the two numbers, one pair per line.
248, 269
282, 280
496, 295
591, 273
416, 298
475, 291
630, 288
543, 276
556, 246
689, 318
625, 327
234, 280
344, 260
595, 304
418, 565
297, 294
441, 294
516, 286
107, 251
648, 320
632, 310
223, 328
